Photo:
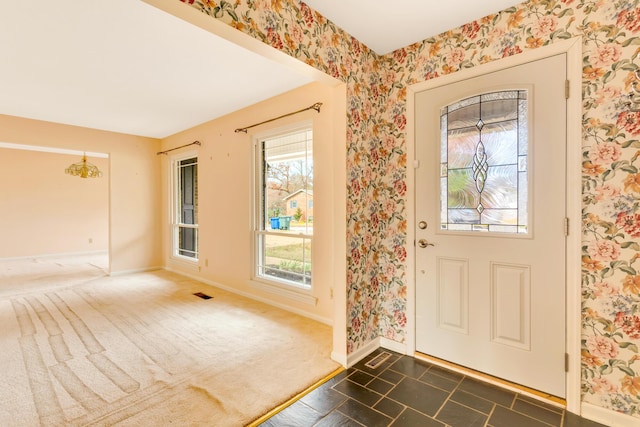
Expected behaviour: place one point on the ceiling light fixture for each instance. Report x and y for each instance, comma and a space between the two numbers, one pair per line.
84, 169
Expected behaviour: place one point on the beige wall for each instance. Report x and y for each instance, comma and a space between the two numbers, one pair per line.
225, 195
132, 178
45, 211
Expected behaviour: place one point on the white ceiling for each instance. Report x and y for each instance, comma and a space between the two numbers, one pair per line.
125, 66
386, 26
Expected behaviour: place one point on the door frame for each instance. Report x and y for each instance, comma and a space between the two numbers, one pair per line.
573, 49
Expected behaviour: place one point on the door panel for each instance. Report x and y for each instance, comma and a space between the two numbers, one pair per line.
510, 305
453, 294
490, 265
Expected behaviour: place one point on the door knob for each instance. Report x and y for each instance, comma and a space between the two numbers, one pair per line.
423, 243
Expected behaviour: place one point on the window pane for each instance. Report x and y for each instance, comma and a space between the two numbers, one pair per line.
483, 164
285, 229
499, 110
287, 258
500, 216
188, 176
501, 142
186, 208
464, 216
523, 122
461, 147
522, 202
188, 242
501, 190
462, 191
288, 181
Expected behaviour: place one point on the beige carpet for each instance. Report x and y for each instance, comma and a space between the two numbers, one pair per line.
142, 350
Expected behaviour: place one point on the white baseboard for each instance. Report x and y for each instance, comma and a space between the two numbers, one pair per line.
608, 417
362, 352
342, 359
396, 346
373, 345
328, 322
303, 297
133, 271
58, 255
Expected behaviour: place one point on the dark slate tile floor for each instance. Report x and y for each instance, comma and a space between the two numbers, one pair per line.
404, 391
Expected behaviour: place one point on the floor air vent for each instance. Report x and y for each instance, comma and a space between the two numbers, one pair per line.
378, 360
203, 296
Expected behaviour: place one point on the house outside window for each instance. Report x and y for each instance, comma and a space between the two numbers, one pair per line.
298, 199
283, 234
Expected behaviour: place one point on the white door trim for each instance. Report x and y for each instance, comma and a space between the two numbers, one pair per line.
573, 49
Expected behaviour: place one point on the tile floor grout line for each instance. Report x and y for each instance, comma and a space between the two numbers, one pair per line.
450, 394
386, 395
530, 417
539, 404
495, 405
342, 413
443, 404
473, 409
457, 387
488, 379
368, 406
402, 404
515, 398
391, 399
417, 379
392, 374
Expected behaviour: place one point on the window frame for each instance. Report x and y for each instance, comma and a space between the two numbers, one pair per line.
260, 222
175, 208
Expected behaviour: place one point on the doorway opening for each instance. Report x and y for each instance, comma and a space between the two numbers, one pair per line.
51, 216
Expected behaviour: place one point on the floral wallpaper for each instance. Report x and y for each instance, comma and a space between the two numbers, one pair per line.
377, 163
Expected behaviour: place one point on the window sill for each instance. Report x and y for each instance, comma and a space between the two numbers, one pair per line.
289, 292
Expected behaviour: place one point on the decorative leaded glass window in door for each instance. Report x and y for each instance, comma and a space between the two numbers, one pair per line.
483, 164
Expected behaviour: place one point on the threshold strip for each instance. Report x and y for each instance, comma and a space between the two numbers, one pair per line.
518, 388
295, 398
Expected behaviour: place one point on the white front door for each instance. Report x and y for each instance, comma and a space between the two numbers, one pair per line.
490, 231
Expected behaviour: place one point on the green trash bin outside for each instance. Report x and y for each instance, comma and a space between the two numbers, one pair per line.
285, 222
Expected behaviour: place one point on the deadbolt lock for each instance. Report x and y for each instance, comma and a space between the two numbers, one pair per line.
422, 225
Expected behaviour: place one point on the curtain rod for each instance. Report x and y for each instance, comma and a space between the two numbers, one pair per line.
182, 146
315, 106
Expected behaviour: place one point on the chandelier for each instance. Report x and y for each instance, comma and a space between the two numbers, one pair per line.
84, 169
